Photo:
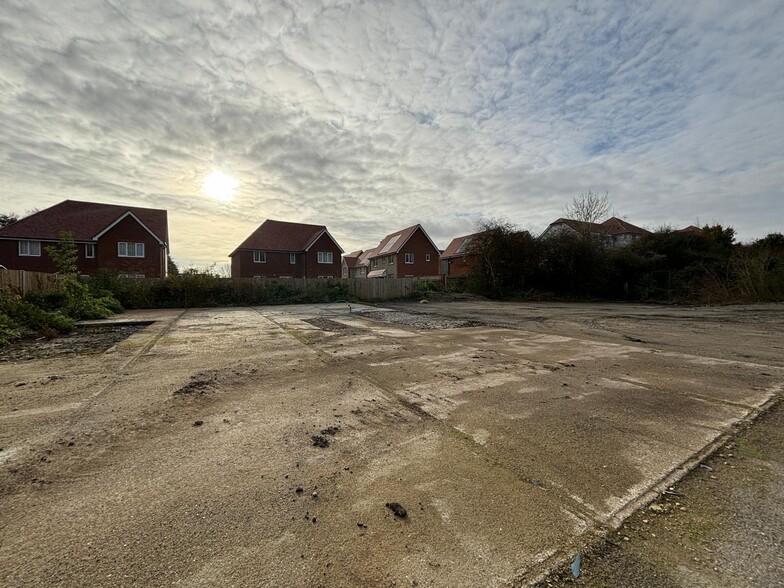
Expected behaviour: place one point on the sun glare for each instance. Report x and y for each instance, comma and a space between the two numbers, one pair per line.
219, 186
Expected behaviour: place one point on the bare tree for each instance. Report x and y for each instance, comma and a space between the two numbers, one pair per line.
589, 207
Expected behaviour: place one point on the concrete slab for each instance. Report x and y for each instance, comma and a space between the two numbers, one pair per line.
175, 458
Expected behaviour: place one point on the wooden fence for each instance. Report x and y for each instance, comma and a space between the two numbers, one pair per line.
26, 282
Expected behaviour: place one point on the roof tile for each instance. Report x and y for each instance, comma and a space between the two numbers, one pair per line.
84, 220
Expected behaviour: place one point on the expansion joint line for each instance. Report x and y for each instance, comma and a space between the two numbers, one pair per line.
113, 381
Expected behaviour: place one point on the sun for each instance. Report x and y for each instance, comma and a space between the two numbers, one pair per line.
219, 186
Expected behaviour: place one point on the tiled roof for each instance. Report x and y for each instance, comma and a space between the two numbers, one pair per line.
690, 229
352, 258
84, 220
393, 242
364, 259
617, 226
458, 246
612, 226
579, 226
273, 235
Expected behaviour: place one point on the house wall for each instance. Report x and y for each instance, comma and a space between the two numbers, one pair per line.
152, 265
277, 265
358, 272
557, 230
314, 269
387, 262
9, 257
459, 266
625, 239
420, 246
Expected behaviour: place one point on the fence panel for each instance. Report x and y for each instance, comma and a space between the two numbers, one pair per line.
26, 282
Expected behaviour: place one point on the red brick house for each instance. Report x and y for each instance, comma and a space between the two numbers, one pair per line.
349, 264
458, 258
126, 240
278, 249
405, 254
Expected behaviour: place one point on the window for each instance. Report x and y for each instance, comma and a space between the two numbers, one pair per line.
89, 250
125, 249
292, 258
325, 257
427, 257
260, 257
409, 258
131, 276
30, 248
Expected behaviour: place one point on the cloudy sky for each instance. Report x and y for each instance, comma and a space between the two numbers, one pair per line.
369, 116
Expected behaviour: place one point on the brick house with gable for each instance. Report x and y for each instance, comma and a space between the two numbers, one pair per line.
279, 249
458, 258
349, 263
127, 240
408, 253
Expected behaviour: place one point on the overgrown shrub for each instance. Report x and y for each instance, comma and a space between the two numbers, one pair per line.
191, 289
9, 330
19, 317
705, 266
77, 300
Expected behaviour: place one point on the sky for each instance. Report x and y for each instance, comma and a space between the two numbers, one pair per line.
370, 116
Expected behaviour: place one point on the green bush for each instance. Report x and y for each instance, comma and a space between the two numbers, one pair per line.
47, 300
9, 330
190, 289
19, 317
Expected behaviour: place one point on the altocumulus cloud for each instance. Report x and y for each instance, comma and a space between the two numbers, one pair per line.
370, 116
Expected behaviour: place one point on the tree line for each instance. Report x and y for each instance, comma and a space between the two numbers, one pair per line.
706, 266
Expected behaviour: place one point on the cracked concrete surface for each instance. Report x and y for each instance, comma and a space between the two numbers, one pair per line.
510, 444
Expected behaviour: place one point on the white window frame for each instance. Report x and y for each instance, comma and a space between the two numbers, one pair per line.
409, 256
124, 249
293, 258
259, 257
322, 255
427, 257
26, 249
89, 250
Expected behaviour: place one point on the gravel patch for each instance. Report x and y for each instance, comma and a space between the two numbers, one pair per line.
418, 321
